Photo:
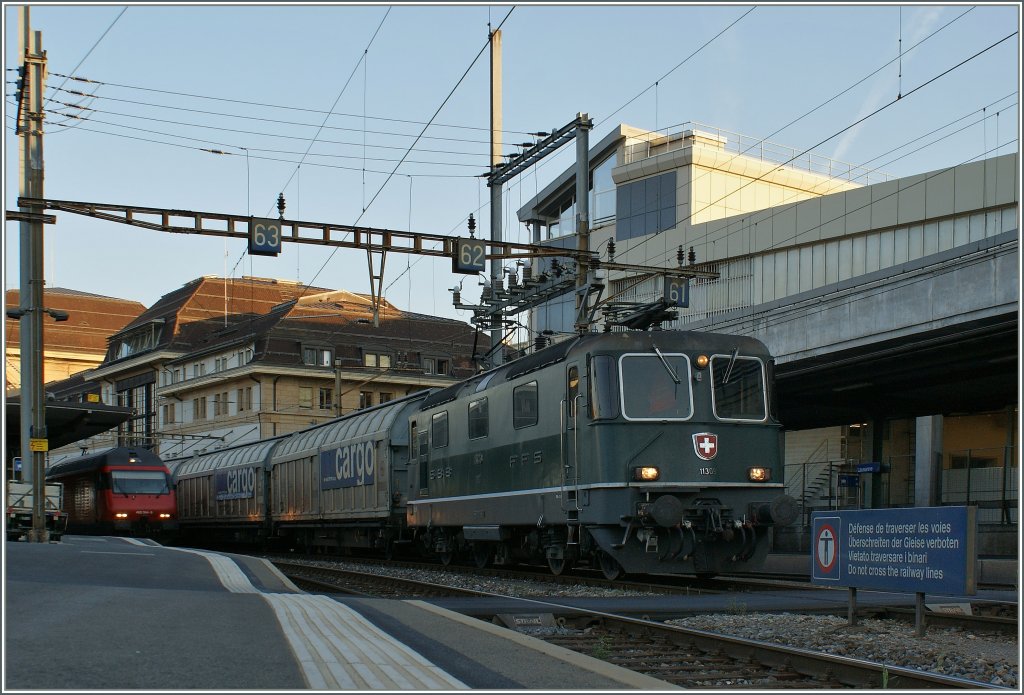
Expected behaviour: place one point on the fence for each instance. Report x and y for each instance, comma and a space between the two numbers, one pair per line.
988, 478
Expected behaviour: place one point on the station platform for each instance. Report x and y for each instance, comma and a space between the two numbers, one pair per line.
122, 614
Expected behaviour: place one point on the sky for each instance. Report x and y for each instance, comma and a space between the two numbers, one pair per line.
322, 102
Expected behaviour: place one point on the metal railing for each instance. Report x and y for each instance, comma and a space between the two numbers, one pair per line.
682, 136
988, 478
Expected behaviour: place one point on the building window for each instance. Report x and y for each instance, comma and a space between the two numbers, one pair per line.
386, 396
647, 206
326, 399
524, 405
220, 364
198, 369
244, 357
305, 396
478, 419
199, 408
379, 360
176, 377
439, 430
220, 403
244, 398
602, 191
436, 365
317, 356
365, 399
169, 414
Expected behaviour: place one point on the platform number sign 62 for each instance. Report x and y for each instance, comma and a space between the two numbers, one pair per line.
264, 236
470, 256
677, 292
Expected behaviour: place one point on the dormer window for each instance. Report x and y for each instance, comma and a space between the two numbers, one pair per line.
317, 356
140, 339
378, 360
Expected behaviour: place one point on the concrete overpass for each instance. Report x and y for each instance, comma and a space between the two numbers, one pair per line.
935, 335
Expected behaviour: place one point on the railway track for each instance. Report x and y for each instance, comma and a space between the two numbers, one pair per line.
684, 657
696, 659
355, 583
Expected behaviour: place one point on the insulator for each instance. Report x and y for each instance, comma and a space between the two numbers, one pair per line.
679, 255
280, 204
611, 250
692, 256
471, 225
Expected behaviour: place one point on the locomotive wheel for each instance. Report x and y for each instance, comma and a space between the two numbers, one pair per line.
481, 555
610, 567
447, 557
559, 565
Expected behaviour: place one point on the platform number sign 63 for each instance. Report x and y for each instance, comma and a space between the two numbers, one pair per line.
264, 236
677, 292
470, 256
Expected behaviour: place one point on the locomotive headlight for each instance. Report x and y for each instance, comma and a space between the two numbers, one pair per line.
121, 515
165, 515
701, 361
759, 475
646, 473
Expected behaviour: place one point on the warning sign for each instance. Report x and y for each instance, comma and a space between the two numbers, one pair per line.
826, 548
922, 549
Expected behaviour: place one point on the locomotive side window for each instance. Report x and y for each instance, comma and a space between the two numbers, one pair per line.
478, 425
739, 391
439, 429
524, 405
604, 394
655, 387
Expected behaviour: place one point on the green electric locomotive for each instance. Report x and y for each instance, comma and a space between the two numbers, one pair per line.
639, 451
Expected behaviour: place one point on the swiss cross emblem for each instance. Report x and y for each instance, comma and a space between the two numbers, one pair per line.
706, 445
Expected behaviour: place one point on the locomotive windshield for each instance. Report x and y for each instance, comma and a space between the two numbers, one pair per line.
139, 482
655, 386
739, 392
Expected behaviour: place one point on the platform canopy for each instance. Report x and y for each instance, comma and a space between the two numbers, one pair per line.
66, 422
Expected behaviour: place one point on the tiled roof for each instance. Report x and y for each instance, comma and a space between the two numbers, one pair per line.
91, 320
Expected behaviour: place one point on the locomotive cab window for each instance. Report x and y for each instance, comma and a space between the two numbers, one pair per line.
139, 482
655, 386
524, 405
738, 388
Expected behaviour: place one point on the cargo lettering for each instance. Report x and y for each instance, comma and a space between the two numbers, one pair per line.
348, 466
235, 484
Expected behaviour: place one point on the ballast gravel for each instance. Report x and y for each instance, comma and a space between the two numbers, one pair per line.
988, 658
984, 657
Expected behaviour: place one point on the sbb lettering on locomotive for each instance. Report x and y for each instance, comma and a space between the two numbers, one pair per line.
348, 466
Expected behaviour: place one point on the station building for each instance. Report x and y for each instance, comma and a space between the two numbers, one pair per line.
72, 346
221, 362
891, 305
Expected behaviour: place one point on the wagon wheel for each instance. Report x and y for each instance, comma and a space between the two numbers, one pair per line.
559, 565
447, 557
481, 555
610, 567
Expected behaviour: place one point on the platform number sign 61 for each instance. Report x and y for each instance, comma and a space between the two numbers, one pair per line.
264, 236
677, 292
470, 256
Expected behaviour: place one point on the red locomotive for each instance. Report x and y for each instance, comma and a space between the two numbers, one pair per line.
121, 490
